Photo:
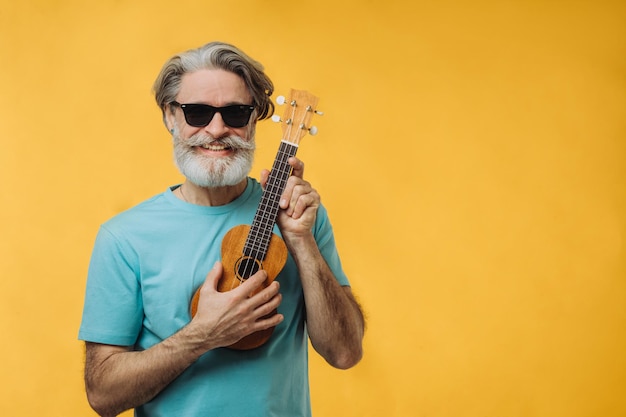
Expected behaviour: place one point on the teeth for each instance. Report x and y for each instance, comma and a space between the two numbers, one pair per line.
214, 147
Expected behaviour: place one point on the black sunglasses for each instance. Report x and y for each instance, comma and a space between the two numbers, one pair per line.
200, 115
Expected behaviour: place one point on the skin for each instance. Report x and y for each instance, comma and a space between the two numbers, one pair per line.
118, 378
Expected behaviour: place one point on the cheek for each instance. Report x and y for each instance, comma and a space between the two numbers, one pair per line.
182, 128
189, 131
247, 132
185, 131
243, 133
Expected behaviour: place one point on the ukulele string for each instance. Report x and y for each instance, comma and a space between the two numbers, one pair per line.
290, 124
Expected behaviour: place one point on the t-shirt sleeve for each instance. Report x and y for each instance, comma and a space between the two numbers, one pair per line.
113, 310
325, 239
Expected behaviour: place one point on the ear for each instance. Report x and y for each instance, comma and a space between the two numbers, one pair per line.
169, 118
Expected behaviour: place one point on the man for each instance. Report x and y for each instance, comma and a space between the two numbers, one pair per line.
144, 350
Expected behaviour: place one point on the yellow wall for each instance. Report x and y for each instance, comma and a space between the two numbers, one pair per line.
472, 155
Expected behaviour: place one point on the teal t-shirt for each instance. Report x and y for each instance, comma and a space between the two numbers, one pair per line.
146, 265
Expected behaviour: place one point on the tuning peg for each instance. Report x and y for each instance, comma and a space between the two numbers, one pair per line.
319, 113
280, 100
313, 130
276, 119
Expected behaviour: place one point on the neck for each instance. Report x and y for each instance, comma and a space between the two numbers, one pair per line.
217, 196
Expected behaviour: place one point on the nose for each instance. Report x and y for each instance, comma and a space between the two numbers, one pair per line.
217, 128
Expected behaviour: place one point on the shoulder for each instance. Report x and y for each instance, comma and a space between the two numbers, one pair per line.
144, 215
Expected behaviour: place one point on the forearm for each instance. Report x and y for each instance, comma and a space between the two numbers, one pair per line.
118, 379
335, 322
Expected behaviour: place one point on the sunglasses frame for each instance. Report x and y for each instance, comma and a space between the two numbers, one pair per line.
226, 112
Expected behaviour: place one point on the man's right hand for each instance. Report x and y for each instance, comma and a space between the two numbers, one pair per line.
223, 318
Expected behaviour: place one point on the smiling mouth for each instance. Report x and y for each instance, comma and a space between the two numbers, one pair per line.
215, 146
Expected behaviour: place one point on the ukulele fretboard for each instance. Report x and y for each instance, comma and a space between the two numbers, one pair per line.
263, 223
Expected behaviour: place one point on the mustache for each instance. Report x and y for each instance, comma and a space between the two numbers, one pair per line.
234, 142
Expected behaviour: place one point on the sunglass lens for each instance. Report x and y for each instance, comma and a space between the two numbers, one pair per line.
198, 116
236, 116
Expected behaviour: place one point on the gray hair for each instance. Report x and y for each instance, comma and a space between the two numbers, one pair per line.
215, 55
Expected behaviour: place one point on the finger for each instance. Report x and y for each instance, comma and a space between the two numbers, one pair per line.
298, 167
267, 309
269, 295
253, 284
267, 322
293, 190
305, 201
296, 178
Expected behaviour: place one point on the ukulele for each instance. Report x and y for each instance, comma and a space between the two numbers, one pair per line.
247, 249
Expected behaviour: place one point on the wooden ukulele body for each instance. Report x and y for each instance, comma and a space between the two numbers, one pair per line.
238, 268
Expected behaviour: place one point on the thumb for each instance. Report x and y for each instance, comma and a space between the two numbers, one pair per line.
214, 275
210, 285
264, 176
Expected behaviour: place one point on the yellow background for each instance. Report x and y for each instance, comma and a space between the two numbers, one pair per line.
472, 157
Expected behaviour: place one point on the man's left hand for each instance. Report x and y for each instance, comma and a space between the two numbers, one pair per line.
299, 201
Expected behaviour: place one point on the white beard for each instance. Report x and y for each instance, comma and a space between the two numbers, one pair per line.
207, 171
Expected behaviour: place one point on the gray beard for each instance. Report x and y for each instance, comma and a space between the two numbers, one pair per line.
210, 172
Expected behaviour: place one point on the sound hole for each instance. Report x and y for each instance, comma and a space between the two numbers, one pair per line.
245, 267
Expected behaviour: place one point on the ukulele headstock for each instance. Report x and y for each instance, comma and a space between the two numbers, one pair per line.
301, 106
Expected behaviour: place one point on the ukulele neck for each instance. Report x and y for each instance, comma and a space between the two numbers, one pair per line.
258, 239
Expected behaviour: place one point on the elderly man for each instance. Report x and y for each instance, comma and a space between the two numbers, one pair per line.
144, 348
